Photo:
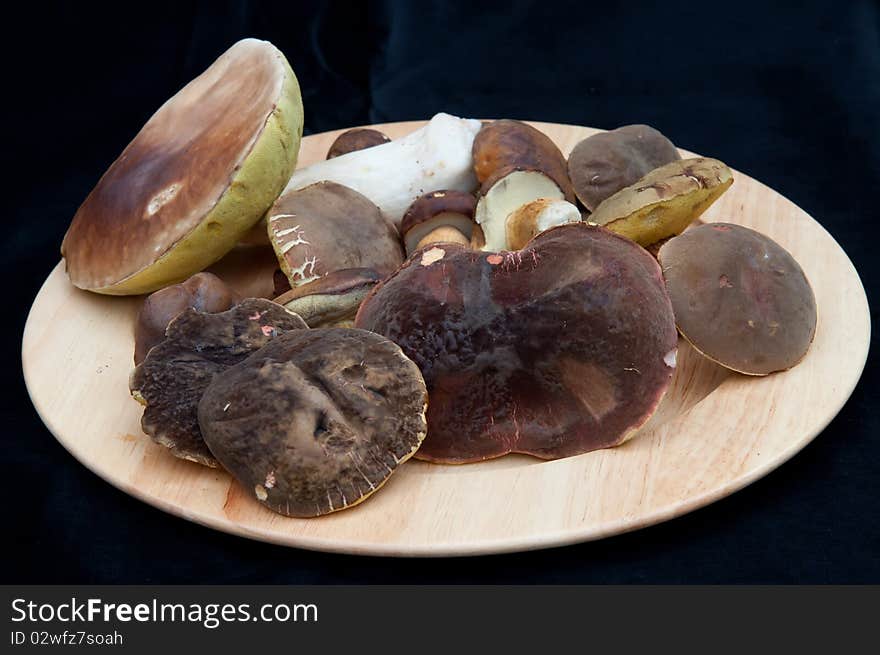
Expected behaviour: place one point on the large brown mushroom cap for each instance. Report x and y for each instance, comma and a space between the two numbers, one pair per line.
560, 348
604, 163
327, 227
739, 297
197, 346
199, 174
317, 420
203, 292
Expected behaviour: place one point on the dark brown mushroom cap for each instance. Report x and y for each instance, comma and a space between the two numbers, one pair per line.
739, 297
563, 347
317, 420
327, 227
356, 139
203, 292
197, 346
514, 145
604, 163
332, 300
430, 204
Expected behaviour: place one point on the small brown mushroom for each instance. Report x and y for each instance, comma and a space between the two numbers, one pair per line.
437, 216
203, 292
327, 227
603, 164
356, 139
171, 379
317, 420
739, 297
554, 350
333, 300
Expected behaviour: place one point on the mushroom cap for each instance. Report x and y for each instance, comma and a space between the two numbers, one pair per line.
739, 297
203, 292
317, 420
171, 379
505, 144
604, 163
358, 138
327, 227
449, 208
198, 175
332, 300
560, 348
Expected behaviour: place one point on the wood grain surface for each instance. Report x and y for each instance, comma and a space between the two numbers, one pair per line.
714, 433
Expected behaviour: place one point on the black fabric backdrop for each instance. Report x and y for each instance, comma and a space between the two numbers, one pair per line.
788, 93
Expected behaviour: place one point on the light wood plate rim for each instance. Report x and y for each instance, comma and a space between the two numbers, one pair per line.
463, 547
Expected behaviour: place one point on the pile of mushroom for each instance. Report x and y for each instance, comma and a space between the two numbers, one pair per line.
457, 294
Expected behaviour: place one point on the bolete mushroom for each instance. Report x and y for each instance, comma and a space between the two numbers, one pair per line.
332, 300
604, 163
199, 174
203, 292
665, 201
317, 420
356, 139
739, 298
439, 216
171, 379
557, 349
328, 227
529, 220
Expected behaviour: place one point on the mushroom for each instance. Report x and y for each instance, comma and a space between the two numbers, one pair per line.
249, 271
393, 175
203, 292
504, 193
171, 379
560, 348
665, 201
438, 216
356, 139
739, 298
317, 420
333, 300
529, 220
603, 164
514, 145
327, 227
195, 179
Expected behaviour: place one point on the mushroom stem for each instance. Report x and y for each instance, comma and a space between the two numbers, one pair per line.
444, 234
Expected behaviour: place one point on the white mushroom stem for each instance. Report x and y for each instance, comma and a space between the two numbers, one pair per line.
393, 175
507, 195
529, 220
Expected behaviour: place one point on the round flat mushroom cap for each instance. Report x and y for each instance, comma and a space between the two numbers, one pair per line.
739, 297
604, 163
197, 346
560, 348
317, 420
197, 176
327, 227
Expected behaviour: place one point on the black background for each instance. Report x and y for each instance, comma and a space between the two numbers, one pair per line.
788, 93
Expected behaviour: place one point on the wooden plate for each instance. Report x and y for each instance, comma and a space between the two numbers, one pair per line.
714, 433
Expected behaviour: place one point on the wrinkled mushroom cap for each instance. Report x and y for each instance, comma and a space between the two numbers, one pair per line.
356, 139
560, 348
327, 227
604, 163
199, 174
317, 420
203, 292
197, 346
739, 297
445, 208
333, 300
